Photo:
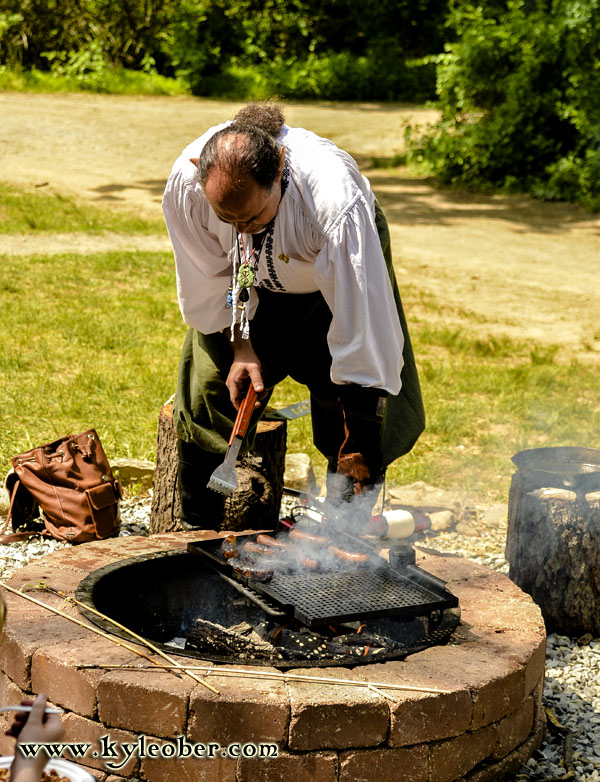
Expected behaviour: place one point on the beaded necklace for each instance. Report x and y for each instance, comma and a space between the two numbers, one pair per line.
244, 270
243, 277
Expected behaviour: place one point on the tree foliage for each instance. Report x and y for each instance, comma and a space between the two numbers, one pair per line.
220, 46
520, 96
518, 81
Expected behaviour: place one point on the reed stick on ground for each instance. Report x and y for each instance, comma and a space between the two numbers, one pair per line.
297, 677
144, 641
174, 667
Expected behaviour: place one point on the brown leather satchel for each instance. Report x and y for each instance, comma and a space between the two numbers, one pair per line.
72, 483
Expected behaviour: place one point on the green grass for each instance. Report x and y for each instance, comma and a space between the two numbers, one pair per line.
87, 341
489, 397
115, 81
24, 211
94, 340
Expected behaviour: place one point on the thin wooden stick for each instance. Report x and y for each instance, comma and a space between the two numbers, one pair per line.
101, 633
134, 635
124, 644
299, 677
377, 691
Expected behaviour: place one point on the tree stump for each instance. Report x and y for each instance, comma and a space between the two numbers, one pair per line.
256, 502
553, 548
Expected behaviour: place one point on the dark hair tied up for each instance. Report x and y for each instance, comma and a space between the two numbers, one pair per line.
253, 150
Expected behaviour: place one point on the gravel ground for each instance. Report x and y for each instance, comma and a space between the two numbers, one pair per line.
572, 685
571, 750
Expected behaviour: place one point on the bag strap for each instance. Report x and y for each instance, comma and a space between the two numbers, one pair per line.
13, 537
86, 449
13, 495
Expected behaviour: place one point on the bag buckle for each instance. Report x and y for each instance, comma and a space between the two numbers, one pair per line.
87, 453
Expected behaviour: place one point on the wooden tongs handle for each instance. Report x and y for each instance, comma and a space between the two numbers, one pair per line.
244, 414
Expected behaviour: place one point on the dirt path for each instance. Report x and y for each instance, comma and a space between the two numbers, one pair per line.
517, 266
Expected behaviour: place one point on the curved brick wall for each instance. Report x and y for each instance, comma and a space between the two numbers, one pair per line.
485, 727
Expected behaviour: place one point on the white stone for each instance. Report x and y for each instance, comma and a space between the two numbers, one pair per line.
4, 502
299, 473
442, 519
464, 528
134, 471
496, 515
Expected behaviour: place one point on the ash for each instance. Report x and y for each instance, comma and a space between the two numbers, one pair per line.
572, 688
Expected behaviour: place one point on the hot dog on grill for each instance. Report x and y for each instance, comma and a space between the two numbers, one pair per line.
256, 548
229, 547
267, 540
306, 537
348, 556
310, 564
254, 573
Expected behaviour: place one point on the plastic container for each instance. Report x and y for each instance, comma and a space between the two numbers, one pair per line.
65, 768
392, 524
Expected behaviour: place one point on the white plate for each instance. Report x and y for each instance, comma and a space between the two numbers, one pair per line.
64, 767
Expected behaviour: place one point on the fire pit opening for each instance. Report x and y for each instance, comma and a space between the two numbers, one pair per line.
186, 607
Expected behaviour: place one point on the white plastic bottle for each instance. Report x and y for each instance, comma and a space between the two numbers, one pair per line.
393, 524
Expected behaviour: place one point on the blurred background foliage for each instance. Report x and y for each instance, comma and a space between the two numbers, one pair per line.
517, 81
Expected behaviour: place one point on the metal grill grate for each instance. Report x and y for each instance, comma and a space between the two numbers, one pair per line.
319, 598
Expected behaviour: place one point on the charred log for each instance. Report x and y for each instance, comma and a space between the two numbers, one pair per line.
210, 638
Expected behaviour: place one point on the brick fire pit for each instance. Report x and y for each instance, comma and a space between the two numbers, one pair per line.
488, 723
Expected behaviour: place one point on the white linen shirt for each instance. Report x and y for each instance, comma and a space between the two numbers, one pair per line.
325, 239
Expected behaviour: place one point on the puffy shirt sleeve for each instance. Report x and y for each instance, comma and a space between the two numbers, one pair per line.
365, 338
202, 266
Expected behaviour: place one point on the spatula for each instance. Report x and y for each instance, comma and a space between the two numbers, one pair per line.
224, 478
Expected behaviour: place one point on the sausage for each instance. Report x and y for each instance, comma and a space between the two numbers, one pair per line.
306, 537
267, 540
349, 556
229, 548
254, 573
256, 548
310, 564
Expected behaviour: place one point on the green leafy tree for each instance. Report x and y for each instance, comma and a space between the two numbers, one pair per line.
306, 49
519, 91
233, 48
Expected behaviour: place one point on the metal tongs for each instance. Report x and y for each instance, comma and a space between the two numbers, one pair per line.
224, 478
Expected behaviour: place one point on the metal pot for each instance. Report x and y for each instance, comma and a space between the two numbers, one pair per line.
576, 469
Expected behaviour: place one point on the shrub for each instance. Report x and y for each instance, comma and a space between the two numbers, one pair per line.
330, 76
520, 97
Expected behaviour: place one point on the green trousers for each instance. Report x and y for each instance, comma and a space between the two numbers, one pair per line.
289, 336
